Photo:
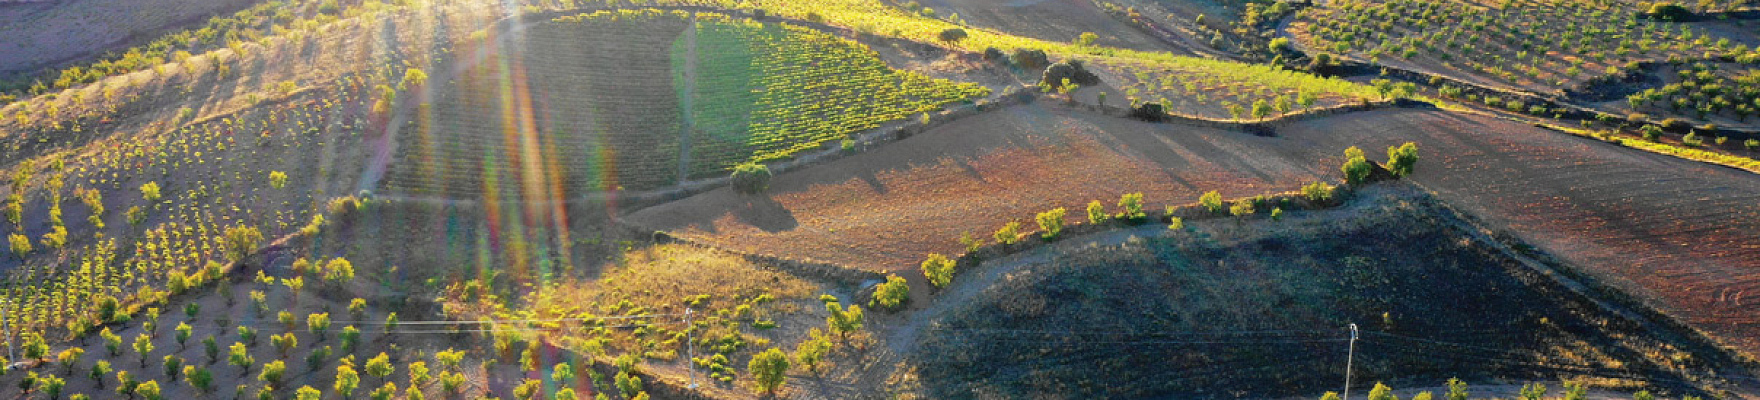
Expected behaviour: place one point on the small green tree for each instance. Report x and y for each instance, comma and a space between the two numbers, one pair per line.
1087, 39
952, 35
183, 331
1356, 168
1261, 109
125, 384
1457, 390
843, 321
346, 380
891, 294
1381, 392
249, 335
418, 374
1096, 212
308, 393
241, 357
201, 379
1009, 234
173, 365
1131, 207
211, 348
143, 345
150, 192
277, 179
149, 390
51, 385
1575, 391
100, 370
357, 308
239, 242
1402, 159
283, 343
1643, 395
527, 390
318, 324
750, 178
351, 338
337, 272
1212, 201
1051, 222
562, 373
769, 370
384, 392
272, 372
1318, 192
380, 367
1241, 208
813, 350
21, 245
112, 342
1533, 391
939, 270
69, 358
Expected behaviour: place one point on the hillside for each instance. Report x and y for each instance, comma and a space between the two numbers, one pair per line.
855, 199
1259, 308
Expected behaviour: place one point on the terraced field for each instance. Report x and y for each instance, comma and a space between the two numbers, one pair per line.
1679, 233
1642, 221
885, 209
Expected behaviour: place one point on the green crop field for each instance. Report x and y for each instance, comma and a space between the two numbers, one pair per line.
771, 91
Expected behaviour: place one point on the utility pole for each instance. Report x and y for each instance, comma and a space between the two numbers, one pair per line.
1349, 358
690, 348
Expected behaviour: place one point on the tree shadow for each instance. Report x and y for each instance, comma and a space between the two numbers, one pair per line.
765, 213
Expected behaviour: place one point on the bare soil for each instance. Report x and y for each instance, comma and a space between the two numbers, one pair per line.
1052, 20
1681, 234
887, 208
1256, 308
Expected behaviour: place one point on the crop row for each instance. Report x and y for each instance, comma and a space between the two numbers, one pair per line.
1525, 43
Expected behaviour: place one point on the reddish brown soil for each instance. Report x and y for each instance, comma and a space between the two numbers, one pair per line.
1683, 235
1053, 20
887, 208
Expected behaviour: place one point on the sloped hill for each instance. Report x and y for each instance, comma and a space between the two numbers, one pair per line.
1226, 309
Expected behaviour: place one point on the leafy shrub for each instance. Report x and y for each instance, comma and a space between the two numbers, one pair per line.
939, 270
769, 370
751, 178
1030, 59
150, 192
277, 179
1009, 234
1051, 222
1212, 201
1401, 160
1071, 71
1318, 192
1356, 167
1242, 207
1096, 212
1131, 205
952, 35
1668, 11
